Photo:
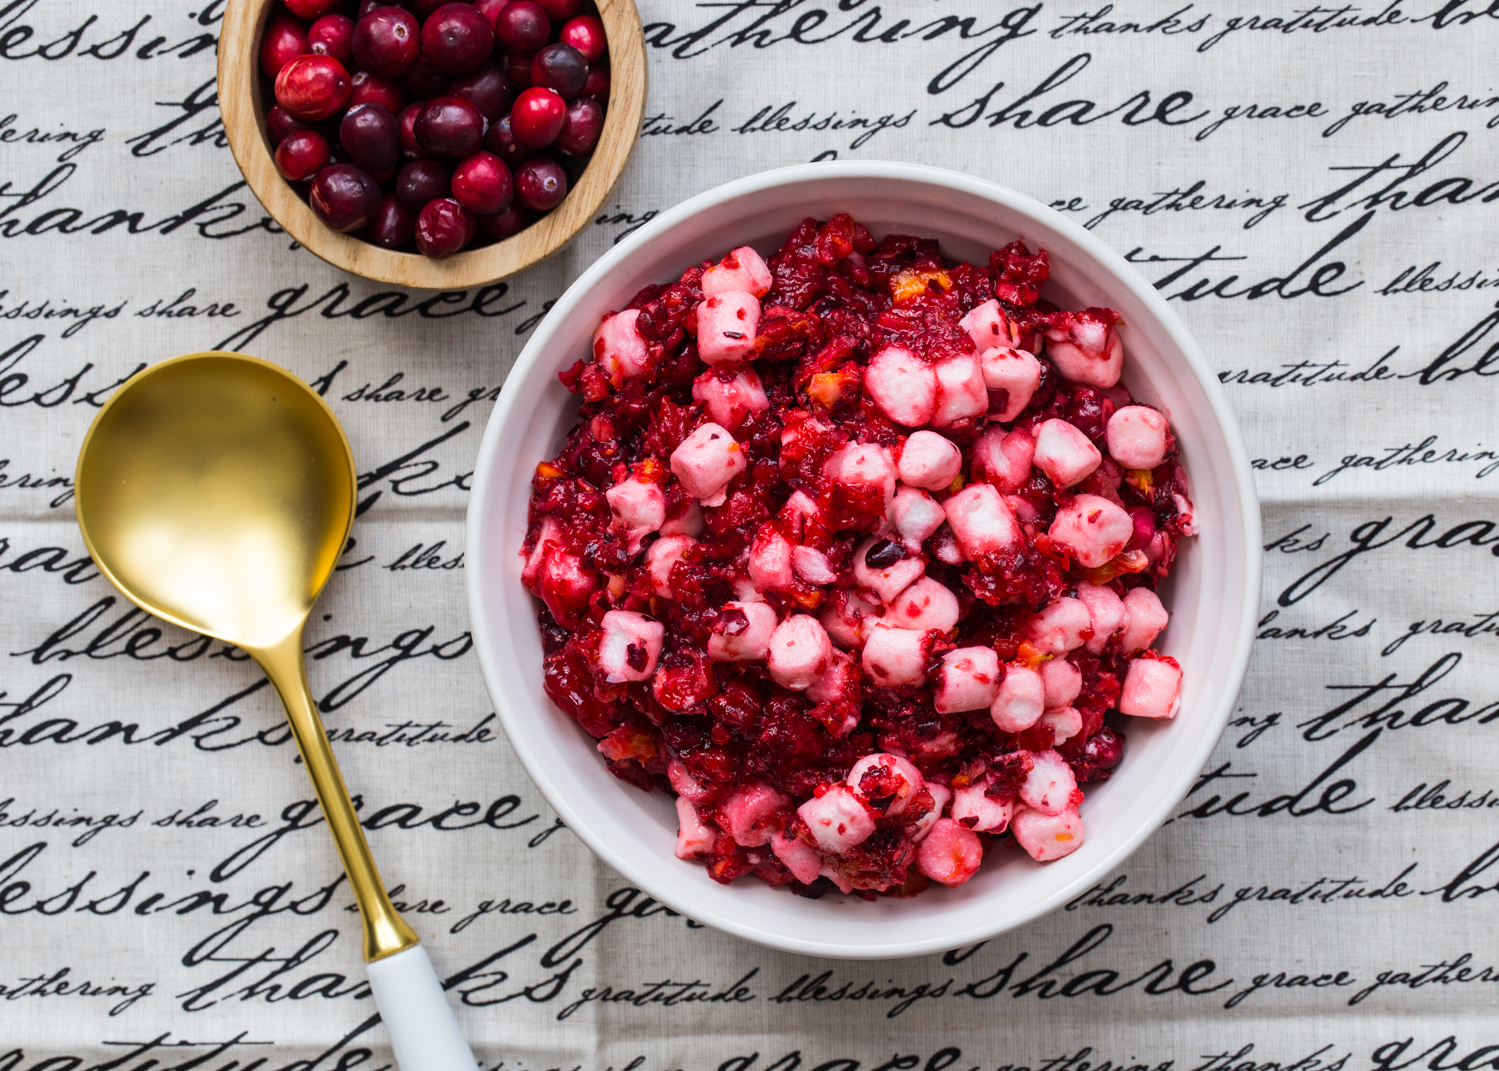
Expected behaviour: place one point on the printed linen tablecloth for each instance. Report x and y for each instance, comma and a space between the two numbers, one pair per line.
1312, 186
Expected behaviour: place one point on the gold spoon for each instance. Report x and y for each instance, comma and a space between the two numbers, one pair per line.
217, 491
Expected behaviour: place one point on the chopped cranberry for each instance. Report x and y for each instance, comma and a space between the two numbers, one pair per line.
443, 227
457, 38
501, 141
284, 39
344, 197
333, 35
511, 220
366, 88
486, 89
371, 136
312, 9
560, 67
581, 128
449, 126
597, 86
279, 122
301, 154
522, 26
490, 9
421, 181
540, 185
387, 41
586, 34
393, 224
423, 80
312, 87
537, 116
482, 184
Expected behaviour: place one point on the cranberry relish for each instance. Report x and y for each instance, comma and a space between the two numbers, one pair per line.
853, 551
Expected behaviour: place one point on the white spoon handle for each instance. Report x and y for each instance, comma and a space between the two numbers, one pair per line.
423, 1030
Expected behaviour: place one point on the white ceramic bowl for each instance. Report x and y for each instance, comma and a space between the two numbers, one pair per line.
1213, 593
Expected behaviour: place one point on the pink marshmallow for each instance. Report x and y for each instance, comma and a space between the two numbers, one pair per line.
1087, 352
848, 619
1061, 627
915, 515
639, 507
685, 518
800, 652
770, 561
889, 581
895, 657
1092, 529
730, 400
981, 521
1061, 681
902, 385
812, 565
1106, 612
929, 461
1147, 617
1020, 701
619, 348
988, 326
1152, 688
706, 461
1064, 723
1064, 453
1016, 372
1136, 437
748, 815
799, 857
694, 836
945, 545
841, 679
661, 556
743, 269
726, 326
630, 646
1048, 837
988, 815
1004, 457
751, 641
1186, 514
941, 797
837, 819
908, 779
1050, 785
864, 467
951, 853
547, 538
684, 784
961, 394
926, 604
968, 680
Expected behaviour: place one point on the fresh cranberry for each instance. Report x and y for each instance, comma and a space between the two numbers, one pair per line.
586, 34
366, 6
490, 9
540, 185
581, 128
450, 126
486, 89
312, 87
505, 223
333, 35
517, 69
371, 136
279, 122
523, 26
424, 8
597, 86
369, 88
457, 38
312, 9
482, 184
443, 227
561, 10
301, 154
344, 197
393, 224
560, 67
411, 149
501, 141
387, 41
284, 39
423, 80
574, 166
537, 116
421, 181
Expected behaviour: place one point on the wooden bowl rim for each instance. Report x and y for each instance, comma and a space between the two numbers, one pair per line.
240, 105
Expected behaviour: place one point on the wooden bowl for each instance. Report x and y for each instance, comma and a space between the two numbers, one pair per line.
243, 109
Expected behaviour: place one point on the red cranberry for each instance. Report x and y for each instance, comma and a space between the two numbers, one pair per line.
366, 6
537, 116
581, 128
344, 197
285, 39
450, 126
503, 224
393, 224
333, 35
372, 89
482, 184
424, 8
490, 9
301, 154
443, 227
312, 9
540, 185
561, 10
597, 86
423, 80
523, 26
560, 67
574, 166
517, 69
371, 136
486, 89
385, 178
457, 38
387, 41
279, 122
410, 147
312, 87
586, 34
421, 181
501, 141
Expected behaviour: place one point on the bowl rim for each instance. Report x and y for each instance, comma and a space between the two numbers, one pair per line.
476, 576
238, 80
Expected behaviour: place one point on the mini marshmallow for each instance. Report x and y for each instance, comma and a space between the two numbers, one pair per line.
549, 533
941, 797
915, 515
564, 585
848, 619
1005, 457
961, 394
951, 853
1064, 453
661, 556
989, 327
980, 520
799, 857
1147, 617
1106, 612
925, 604
1152, 688
684, 784
685, 518
726, 326
894, 657
694, 836
837, 819
945, 544
841, 679
630, 646
888, 581
1064, 723
1050, 785
752, 642
1136, 437
968, 680
929, 461
988, 815
864, 467
1061, 627
908, 778
1020, 701
812, 565
770, 561
706, 461
743, 269
1061, 681
902, 385
1047, 837
799, 652
1016, 372
746, 815
1186, 514
619, 348
1089, 352
639, 507
730, 400
1092, 529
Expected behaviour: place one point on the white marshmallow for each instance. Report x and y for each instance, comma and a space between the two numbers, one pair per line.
837, 820
1047, 837
968, 680
1050, 784
730, 401
1106, 613
864, 468
1136, 437
619, 348
726, 326
684, 784
902, 385
743, 269
951, 853
799, 653
1152, 688
1004, 457
989, 815
980, 520
1092, 529
661, 556
1062, 682
639, 507
929, 461
915, 515
749, 645
686, 519
841, 679
941, 797
925, 604
894, 657
694, 836
630, 646
706, 461
1064, 453
988, 326
770, 561
848, 619
1061, 627
799, 856
812, 565
1087, 352
1020, 701
890, 581
961, 394
1064, 723
747, 814
1147, 617
908, 777
1016, 372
